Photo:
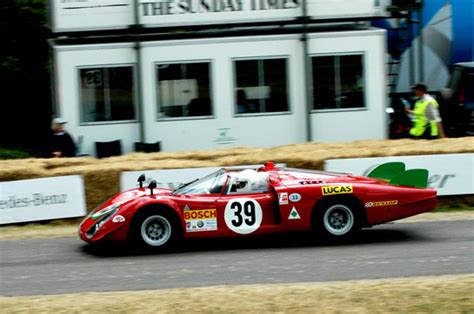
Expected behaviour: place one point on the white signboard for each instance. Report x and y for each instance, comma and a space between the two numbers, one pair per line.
79, 15
42, 199
450, 174
82, 15
155, 13
172, 178
325, 9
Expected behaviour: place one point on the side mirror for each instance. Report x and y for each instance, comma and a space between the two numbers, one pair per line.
152, 186
140, 180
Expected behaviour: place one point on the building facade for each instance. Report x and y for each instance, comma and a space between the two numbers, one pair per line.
211, 74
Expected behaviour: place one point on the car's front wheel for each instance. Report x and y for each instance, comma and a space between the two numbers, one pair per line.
155, 230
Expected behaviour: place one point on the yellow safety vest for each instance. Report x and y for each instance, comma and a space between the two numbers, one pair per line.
420, 123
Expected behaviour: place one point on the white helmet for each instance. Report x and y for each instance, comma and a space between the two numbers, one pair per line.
249, 180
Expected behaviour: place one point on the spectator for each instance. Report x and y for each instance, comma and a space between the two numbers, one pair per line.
61, 143
426, 119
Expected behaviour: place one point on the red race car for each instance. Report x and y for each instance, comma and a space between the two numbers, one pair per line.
266, 200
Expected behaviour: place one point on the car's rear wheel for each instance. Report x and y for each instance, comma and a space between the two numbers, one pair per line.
337, 220
155, 230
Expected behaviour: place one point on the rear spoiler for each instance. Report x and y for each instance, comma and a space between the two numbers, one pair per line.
395, 174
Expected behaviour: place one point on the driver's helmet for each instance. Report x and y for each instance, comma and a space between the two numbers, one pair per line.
240, 184
250, 181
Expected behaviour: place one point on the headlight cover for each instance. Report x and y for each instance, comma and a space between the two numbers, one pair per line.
102, 216
104, 211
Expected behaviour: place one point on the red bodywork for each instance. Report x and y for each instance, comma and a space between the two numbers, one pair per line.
288, 204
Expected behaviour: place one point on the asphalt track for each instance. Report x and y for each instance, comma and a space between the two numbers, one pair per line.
66, 265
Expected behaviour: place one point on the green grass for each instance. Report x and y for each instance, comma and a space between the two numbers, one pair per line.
7, 153
455, 203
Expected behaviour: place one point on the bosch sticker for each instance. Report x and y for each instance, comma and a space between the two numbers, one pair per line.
295, 197
336, 189
200, 220
243, 215
283, 198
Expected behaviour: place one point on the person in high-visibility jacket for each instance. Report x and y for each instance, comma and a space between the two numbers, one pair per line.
426, 119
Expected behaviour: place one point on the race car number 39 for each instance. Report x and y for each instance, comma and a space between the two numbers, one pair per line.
243, 215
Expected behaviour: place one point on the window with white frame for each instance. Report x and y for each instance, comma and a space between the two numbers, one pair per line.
261, 85
184, 89
338, 82
107, 93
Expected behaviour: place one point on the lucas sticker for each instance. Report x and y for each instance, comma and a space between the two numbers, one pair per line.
337, 189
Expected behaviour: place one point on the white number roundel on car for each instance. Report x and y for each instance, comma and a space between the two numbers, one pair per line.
243, 215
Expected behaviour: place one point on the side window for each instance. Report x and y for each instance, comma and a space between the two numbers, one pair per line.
107, 94
261, 86
236, 186
248, 182
338, 82
183, 89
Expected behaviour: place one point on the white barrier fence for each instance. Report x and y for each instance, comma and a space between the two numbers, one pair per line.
42, 199
450, 174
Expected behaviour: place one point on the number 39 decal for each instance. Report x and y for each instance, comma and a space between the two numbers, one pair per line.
243, 215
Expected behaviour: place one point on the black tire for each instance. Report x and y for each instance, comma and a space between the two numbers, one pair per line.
337, 220
155, 230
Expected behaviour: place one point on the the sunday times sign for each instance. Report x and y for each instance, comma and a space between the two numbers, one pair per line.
80, 15
42, 199
189, 12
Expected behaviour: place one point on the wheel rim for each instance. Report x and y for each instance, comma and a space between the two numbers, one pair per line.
156, 230
338, 220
